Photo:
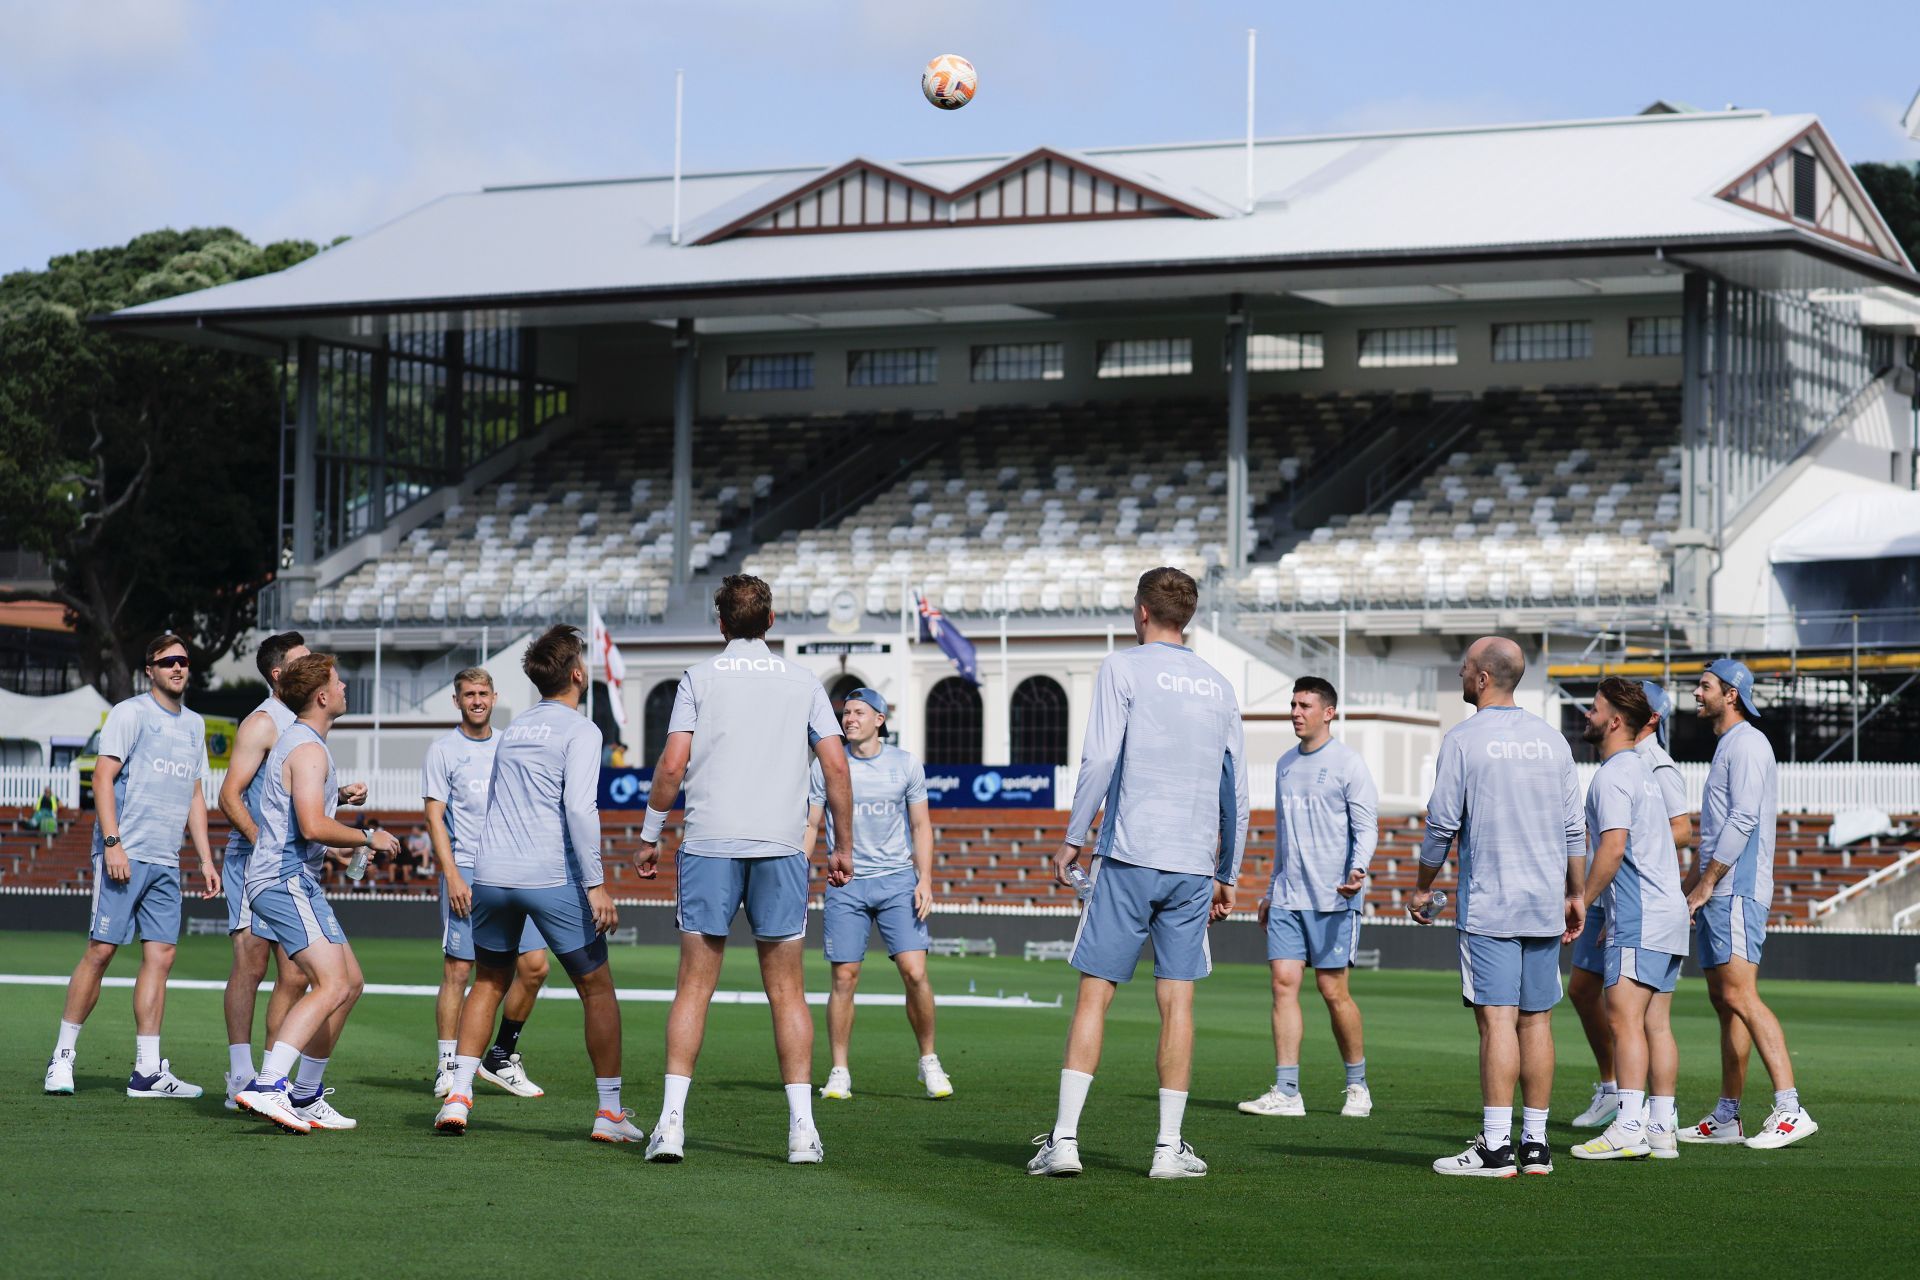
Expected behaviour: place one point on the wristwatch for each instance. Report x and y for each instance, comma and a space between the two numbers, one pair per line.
110, 841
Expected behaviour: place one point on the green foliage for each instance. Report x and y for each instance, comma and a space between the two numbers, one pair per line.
1895, 191
143, 471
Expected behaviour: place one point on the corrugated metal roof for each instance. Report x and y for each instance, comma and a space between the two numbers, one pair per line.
1557, 184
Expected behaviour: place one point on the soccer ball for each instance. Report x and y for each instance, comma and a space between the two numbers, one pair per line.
949, 82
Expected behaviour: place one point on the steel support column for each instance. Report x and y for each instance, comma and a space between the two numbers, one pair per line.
1236, 433
306, 440
686, 368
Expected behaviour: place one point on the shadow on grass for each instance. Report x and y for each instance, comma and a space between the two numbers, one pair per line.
1013, 1156
1414, 1157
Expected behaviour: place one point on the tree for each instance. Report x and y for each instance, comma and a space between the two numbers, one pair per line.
144, 472
1895, 191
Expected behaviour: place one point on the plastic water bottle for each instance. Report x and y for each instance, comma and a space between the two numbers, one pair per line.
358, 866
1436, 905
1078, 879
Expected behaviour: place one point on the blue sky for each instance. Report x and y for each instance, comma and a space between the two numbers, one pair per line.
313, 120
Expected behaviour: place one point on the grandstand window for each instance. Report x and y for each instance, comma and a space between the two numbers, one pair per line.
1423, 347
1543, 340
1284, 352
655, 715
1019, 362
786, 371
954, 722
1653, 336
1144, 357
1039, 710
900, 367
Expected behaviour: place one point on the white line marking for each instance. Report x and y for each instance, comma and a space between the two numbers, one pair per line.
632, 995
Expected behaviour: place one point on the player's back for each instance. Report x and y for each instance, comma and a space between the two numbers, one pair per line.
754, 718
283, 851
1519, 819
1743, 781
1644, 904
1179, 740
282, 716
547, 764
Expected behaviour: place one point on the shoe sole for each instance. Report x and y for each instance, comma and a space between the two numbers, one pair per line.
1711, 1142
806, 1157
836, 1096
452, 1128
1478, 1173
1154, 1173
294, 1126
58, 1093
1658, 1154
1359, 1115
944, 1093
150, 1093
1056, 1171
1624, 1153
665, 1157
332, 1128
231, 1105
1537, 1171
1248, 1109
1754, 1144
515, 1090
613, 1139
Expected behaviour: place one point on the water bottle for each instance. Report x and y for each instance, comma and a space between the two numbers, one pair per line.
1436, 905
1078, 879
358, 866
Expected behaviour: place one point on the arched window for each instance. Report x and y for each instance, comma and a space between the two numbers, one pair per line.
654, 719
842, 686
954, 719
1039, 722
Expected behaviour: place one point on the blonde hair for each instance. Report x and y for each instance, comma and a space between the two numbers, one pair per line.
472, 675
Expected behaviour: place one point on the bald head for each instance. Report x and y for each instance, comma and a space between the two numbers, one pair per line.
1491, 670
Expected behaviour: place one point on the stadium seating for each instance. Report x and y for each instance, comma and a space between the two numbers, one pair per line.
1053, 509
1557, 495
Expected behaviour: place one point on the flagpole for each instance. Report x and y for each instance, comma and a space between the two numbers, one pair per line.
590, 644
1006, 696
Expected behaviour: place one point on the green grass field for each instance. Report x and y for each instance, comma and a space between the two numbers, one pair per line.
912, 1187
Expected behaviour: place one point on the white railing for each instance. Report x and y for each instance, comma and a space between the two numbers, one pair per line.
22, 786
390, 789
1820, 788
1893, 871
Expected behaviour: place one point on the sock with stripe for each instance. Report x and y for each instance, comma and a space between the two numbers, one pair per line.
608, 1087
507, 1043
463, 1069
1287, 1080
446, 1049
1663, 1114
146, 1054
1633, 1109
1357, 1072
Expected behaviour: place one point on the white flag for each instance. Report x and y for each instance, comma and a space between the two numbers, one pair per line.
607, 654
1911, 122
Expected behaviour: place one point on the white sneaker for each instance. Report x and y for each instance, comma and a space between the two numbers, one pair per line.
452, 1117
234, 1085
1713, 1131
443, 1078
1615, 1144
669, 1142
1359, 1101
1479, 1161
1275, 1103
839, 1085
1177, 1162
511, 1076
1601, 1111
320, 1114
60, 1072
272, 1103
931, 1075
1783, 1127
1663, 1144
1057, 1158
611, 1127
161, 1084
803, 1144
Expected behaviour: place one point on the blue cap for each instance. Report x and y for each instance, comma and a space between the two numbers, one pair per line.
1662, 703
1734, 674
868, 696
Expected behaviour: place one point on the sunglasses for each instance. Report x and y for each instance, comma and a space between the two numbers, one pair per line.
164, 663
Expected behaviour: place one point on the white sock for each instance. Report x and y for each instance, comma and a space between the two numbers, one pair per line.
69, 1037
1633, 1109
279, 1061
1665, 1115
1611, 1086
609, 1087
1496, 1127
800, 1104
676, 1096
312, 1071
1533, 1124
146, 1054
447, 1047
929, 1060
240, 1060
1073, 1096
1173, 1108
463, 1069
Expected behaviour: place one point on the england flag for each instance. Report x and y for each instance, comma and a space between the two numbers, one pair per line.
606, 654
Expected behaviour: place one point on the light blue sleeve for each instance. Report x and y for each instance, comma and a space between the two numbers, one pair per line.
1235, 803
1447, 804
121, 731
1576, 817
820, 718
1100, 756
916, 783
1363, 815
1673, 790
580, 795
1746, 785
435, 784
816, 786
684, 712
1612, 805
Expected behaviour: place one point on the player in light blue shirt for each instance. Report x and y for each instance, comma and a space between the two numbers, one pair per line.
1730, 892
892, 885
146, 787
1326, 825
539, 860
1165, 757
1634, 877
453, 783
1505, 788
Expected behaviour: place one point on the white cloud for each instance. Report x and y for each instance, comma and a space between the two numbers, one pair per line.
98, 43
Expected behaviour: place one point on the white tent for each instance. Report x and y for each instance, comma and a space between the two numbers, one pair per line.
1854, 526
36, 720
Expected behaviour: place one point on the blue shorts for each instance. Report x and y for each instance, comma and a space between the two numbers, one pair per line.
149, 897
855, 907
1130, 903
1509, 971
1728, 927
712, 891
503, 919
1656, 969
233, 879
296, 912
1590, 948
456, 932
1322, 939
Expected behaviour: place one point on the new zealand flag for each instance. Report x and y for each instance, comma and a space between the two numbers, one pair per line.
959, 649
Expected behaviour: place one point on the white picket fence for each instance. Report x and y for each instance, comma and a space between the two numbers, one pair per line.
391, 789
